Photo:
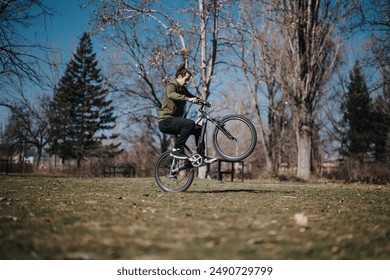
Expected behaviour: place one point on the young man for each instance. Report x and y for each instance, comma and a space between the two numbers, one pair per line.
171, 120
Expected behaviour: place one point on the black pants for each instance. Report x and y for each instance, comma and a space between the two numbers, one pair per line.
183, 128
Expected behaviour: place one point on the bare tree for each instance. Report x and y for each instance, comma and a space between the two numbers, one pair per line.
288, 55
28, 125
132, 23
19, 56
139, 64
253, 42
294, 51
209, 11
309, 53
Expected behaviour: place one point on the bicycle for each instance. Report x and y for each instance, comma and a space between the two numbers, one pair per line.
234, 139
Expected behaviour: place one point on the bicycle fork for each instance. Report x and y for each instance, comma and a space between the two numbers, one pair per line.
222, 128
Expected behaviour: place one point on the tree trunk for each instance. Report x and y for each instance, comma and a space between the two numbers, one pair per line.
304, 155
262, 140
39, 157
207, 64
304, 127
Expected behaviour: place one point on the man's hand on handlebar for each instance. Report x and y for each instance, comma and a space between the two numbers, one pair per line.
204, 103
198, 101
193, 100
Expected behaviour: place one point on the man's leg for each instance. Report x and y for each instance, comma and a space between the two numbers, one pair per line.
197, 132
201, 146
184, 128
181, 127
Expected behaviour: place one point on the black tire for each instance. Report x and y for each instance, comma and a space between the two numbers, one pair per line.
179, 181
244, 138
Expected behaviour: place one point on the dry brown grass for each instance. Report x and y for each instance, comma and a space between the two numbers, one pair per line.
102, 218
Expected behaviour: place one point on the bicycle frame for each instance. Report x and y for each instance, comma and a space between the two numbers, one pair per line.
204, 118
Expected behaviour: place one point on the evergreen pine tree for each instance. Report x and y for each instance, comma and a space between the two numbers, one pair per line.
80, 111
357, 115
380, 128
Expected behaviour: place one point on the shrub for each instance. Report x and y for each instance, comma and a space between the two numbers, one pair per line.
363, 172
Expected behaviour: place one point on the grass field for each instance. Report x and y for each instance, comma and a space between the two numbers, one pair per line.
101, 218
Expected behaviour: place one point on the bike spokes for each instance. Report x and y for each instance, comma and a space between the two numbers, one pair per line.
173, 175
235, 138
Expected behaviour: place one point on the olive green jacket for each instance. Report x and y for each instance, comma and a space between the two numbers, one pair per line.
174, 100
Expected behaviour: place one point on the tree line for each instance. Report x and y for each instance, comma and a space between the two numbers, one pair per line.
279, 62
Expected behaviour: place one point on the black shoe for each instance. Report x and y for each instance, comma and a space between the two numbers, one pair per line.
209, 160
177, 153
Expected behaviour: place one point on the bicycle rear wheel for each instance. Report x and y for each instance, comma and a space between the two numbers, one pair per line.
235, 138
173, 175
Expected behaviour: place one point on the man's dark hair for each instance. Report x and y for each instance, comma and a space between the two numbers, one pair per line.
182, 70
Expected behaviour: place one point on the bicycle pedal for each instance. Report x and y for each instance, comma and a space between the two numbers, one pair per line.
196, 160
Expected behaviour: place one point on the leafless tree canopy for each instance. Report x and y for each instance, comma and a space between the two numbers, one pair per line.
19, 58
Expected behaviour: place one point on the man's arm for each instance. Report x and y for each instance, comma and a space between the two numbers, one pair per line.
187, 96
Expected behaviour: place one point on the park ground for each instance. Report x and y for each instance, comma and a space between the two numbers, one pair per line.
121, 218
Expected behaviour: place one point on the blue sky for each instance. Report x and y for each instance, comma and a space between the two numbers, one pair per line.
65, 28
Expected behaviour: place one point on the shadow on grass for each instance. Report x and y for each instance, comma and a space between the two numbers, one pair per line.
241, 191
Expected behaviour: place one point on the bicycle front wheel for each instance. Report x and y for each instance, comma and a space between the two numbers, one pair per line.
173, 175
235, 138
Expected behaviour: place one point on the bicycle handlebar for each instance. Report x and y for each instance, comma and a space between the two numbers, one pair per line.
204, 103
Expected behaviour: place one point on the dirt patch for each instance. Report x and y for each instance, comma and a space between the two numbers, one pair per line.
116, 218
